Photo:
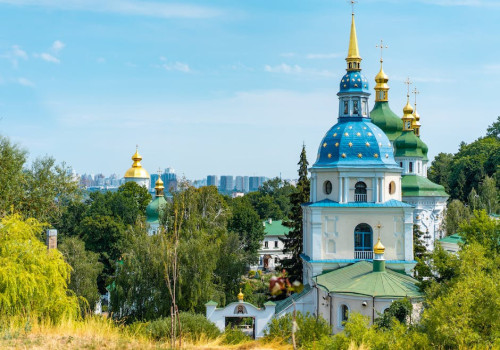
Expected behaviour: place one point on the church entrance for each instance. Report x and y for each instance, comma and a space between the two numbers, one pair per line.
363, 242
245, 324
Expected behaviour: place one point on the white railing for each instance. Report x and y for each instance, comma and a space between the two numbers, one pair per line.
360, 197
364, 255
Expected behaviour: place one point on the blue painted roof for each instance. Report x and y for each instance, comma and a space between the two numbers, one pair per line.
351, 261
354, 81
327, 203
355, 142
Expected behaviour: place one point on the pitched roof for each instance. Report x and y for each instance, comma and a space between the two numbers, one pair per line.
329, 203
283, 304
360, 279
419, 186
452, 239
275, 228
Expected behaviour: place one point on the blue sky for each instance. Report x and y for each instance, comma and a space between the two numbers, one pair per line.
231, 87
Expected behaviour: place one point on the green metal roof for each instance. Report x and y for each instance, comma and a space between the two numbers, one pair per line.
419, 186
408, 145
283, 304
153, 209
359, 279
452, 239
383, 117
275, 228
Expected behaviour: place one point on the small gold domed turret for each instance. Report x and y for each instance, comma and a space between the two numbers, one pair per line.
408, 109
381, 88
379, 248
137, 171
159, 186
416, 121
240, 296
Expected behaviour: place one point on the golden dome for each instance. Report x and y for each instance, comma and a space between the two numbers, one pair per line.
240, 295
381, 77
408, 109
137, 171
159, 184
379, 248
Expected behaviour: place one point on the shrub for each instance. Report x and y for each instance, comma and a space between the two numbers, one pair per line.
310, 329
194, 326
234, 336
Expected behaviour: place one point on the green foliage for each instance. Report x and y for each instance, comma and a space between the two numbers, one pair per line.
438, 268
40, 191
494, 129
456, 212
233, 336
399, 310
194, 327
139, 194
272, 200
483, 230
439, 171
464, 312
247, 224
33, 281
293, 240
310, 329
85, 270
488, 195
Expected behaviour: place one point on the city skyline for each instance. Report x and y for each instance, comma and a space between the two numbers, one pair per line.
231, 88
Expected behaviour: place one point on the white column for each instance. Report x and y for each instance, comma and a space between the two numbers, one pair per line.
346, 189
381, 190
375, 189
340, 190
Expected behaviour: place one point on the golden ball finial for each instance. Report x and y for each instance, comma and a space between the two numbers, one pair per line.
240, 295
379, 248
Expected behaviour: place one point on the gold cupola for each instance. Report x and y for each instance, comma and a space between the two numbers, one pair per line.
240, 296
408, 111
136, 171
159, 187
381, 88
353, 58
379, 247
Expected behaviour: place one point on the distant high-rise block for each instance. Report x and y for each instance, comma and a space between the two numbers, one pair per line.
226, 183
212, 180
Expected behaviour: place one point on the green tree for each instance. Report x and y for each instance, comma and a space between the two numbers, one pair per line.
33, 282
419, 249
483, 230
494, 129
456, 212
293, 240
488, 194
140, 194
85, 270
475, 202
399, 310
12, 159
439, 171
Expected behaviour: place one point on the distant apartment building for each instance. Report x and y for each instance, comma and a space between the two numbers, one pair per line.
169, 178
241, 184
212, 180
226, 183
255, 182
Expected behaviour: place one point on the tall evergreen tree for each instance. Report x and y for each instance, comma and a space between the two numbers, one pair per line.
293, 240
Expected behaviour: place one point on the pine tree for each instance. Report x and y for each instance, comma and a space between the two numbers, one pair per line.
293, 240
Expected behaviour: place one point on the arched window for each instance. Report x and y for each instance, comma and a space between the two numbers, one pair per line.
346, 107
363, 242
343, 314
392, 187
360, 192
355, 107
327, 187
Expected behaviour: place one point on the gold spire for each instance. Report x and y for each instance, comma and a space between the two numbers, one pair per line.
353, 58
416, 117
240, 296
381, 88
408, 110
137, 171
379, 247
159, 185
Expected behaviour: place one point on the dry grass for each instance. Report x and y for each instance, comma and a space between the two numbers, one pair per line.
100, 333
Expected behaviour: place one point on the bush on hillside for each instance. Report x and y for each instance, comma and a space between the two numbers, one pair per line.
310, 329
233, 336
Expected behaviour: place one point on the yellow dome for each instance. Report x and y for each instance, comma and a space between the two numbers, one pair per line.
379, 248
159, 184
137, 171
408, 109
381, 77
240, 295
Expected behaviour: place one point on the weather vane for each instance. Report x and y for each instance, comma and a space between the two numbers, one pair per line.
382, 47
408, 83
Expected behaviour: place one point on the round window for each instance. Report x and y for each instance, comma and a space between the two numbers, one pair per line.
392, 187
327, 187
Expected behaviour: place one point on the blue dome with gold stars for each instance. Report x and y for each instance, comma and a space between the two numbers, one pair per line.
354, 81
355, 142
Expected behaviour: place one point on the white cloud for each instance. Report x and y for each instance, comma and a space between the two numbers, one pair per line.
284, 68
57, 46
177, 66
15, 54
47, 57
25, 82
288, 54
18, 52
314, 56
124, 7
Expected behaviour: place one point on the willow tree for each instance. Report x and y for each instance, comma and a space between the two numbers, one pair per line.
33, 281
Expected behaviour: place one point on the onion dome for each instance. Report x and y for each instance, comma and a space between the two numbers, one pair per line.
240, 296
408, 110
355, 142
354, 81
379, 247
408, 144
381, 114
153, 209
137, 171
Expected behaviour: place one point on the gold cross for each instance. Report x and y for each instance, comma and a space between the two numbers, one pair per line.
408, 83
159, 171
353, 2
382, 47
379, 226
416, 92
